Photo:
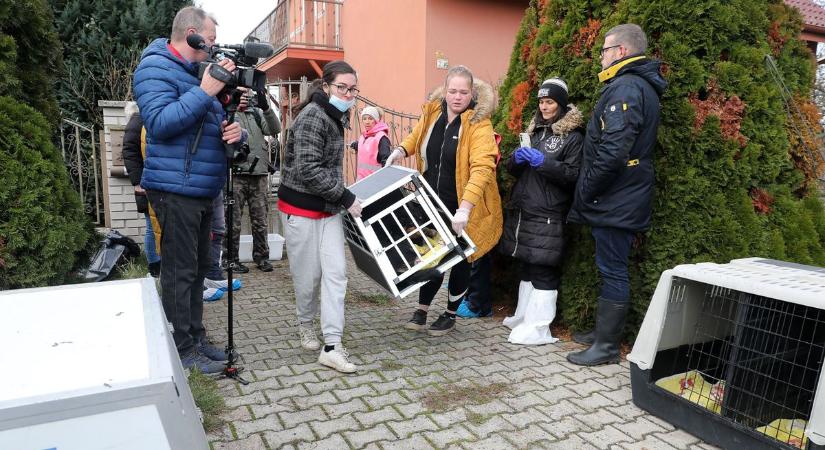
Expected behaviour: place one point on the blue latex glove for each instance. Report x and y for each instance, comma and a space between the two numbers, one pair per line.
529, 155
519, 155
534, 157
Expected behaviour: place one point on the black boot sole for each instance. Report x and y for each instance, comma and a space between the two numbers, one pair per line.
599, 362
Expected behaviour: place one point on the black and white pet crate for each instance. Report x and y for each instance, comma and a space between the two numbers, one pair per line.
732, 353
404, 234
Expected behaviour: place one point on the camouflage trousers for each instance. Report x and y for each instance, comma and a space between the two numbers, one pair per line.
251, 190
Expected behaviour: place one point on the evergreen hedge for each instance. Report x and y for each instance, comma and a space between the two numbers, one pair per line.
43, 229
733, 179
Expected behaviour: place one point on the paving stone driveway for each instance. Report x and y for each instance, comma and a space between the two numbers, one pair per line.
497, 395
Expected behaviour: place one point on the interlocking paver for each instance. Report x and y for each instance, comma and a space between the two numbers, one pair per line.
251, 443
607, 436
524, 437
360, 439
678, 438
269, 423
565, 426
371, 418
293, 402
340, 409
326, 427
348, 394
290, 418
639, 428
410, 410
592, 402
405, 428
334, 442
489, 425
649, 443
445, 437
380, 401
526, 417
414, 442
323, 398
277, 439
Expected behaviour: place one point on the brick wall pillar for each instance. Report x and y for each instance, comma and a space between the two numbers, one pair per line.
121, 212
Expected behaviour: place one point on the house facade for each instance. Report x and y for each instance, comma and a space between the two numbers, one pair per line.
401, 49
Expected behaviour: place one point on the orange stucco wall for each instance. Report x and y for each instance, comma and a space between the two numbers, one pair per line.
476, 33
393, 43
384, 40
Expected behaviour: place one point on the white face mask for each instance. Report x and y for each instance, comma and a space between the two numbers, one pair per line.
341, 104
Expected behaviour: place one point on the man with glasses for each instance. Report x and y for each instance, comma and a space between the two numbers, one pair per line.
614, 192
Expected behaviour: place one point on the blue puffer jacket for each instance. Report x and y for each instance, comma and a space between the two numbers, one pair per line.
173, 107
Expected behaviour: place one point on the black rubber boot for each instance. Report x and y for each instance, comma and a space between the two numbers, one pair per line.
610, 318
585, 337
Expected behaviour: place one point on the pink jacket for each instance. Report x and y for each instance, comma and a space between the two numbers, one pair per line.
368, 149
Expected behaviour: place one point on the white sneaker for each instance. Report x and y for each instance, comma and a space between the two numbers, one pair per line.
308, 339
338, 359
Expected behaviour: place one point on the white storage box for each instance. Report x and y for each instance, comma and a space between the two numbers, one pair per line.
92, 367
733, 353
276, 247
404, 231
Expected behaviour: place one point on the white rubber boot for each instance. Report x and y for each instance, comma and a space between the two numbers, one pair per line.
524, 290
540, 311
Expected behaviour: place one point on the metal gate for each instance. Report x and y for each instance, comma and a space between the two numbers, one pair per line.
80, 156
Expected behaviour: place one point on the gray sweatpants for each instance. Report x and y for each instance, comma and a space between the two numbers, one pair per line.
315, 248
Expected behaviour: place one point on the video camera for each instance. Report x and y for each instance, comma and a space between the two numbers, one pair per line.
244, 56
245, 75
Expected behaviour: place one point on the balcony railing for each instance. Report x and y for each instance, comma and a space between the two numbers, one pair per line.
302, 23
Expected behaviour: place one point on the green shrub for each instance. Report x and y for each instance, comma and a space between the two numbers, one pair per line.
43, 230
729, 182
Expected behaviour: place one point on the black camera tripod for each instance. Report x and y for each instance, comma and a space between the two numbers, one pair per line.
232, 157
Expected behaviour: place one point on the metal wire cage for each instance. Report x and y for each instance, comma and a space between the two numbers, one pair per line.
733, 353
402, 237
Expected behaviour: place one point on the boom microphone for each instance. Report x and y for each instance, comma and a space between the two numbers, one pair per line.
252, 49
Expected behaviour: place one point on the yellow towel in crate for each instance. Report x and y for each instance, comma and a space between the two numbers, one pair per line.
692, 387
787, 430
424, 251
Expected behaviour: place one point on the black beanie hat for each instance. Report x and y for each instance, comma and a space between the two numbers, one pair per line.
556, 89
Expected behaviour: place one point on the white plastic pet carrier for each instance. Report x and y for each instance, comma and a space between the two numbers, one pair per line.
404, 235
733, 353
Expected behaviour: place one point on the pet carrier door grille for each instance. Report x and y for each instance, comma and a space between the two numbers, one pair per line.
767, 365
402, 237
738, 345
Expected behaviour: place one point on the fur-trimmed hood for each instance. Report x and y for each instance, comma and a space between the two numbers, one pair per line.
571, 120
484, 99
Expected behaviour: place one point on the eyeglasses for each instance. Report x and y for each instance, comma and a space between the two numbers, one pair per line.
604, 49
343, 89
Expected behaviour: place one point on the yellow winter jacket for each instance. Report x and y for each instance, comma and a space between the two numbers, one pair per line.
476, 158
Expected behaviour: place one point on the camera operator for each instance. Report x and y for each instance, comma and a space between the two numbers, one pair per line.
250, 184
184, 171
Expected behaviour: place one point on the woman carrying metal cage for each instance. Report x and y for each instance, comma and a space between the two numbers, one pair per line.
457, 154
